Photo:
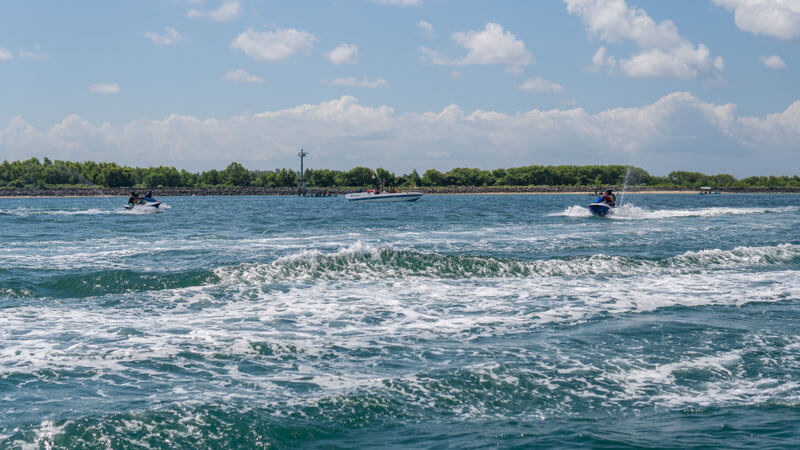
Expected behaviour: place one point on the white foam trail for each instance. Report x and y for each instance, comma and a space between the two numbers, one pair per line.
26, 212
136, 211
89, 212
573, 211
630, 211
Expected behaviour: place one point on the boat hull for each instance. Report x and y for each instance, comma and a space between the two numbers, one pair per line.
385, 197
599, 209
146, 205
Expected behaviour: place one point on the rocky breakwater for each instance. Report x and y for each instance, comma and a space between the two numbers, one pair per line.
158, 192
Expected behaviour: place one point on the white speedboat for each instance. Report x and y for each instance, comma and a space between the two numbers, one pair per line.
372, 196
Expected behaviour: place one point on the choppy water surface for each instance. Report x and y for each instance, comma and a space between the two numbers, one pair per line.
454, 321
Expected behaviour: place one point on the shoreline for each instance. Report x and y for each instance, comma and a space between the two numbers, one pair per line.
313, 192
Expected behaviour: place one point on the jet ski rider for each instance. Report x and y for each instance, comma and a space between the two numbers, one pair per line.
134, 199
609, 198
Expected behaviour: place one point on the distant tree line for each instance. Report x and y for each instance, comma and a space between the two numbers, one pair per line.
47, 173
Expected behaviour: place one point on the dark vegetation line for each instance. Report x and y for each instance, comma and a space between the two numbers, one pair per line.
33, 173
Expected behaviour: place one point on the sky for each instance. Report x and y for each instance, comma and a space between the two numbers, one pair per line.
700, 85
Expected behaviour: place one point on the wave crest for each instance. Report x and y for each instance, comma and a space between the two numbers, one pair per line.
365, 262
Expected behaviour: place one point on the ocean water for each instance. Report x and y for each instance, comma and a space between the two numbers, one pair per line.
466, 321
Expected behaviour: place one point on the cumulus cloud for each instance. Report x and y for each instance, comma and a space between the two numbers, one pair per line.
492, 45
779, 19
678, 131
241, 76
365, 83
663, 52
426, 28
273, 45
168, 37
104, 88
539, 84
229, 10
5, 54
343, 54
602, 60
773, 62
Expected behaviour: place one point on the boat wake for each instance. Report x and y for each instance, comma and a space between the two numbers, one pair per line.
26, 212
633, 212
363, 262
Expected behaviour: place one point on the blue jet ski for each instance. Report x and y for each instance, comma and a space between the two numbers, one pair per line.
144, 203
599, 207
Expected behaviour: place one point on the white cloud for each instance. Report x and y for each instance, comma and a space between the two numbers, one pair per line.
492, 45
683, 62
663, 52
602, 60
343, 54
399, 2
539, 84
426, 28
675, 132
104, 88
365, 83
169, 37
773, 62
273, 45
776, 18
36, 53
241, 76
229, 10
5, 54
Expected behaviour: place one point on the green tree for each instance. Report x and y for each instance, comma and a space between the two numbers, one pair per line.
267, 179
357, 176
286, 178
236, 175
433, 177
413, 179
324, 178
386, 177
115, 176
210, 178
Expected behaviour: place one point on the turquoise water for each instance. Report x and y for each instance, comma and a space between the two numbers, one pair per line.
451, 322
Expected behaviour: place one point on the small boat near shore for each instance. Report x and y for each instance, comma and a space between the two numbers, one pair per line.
372, 196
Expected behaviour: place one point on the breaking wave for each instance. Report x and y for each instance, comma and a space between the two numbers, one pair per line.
365, 262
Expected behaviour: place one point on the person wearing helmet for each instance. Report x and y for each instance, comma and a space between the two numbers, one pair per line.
134, 199
610, 198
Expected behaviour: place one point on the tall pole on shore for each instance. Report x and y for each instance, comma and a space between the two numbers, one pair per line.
302, 188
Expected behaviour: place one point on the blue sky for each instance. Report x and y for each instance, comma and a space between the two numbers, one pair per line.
707, 85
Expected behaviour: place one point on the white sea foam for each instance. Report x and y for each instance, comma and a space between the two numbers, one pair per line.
724, 383
361, 310
362, 261
26, 212
630, 211
88, 212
